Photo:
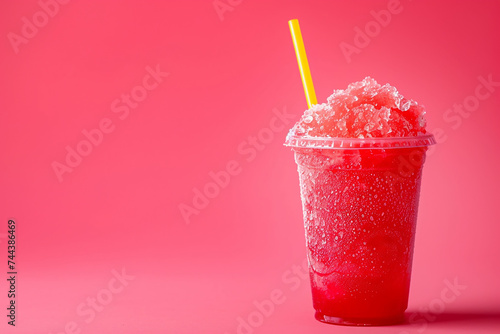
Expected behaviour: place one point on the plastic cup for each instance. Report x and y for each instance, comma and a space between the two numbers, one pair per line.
360, 201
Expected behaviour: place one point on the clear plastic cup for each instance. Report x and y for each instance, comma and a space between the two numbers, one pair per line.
360, 201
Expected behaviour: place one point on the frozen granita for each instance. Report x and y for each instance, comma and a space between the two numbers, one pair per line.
360, 158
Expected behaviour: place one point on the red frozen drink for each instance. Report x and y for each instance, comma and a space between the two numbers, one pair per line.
360, 158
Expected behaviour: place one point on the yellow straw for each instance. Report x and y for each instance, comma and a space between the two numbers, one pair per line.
300, 52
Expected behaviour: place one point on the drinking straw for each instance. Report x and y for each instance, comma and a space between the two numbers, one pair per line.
300, 53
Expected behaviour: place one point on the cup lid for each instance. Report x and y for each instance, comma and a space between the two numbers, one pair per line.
359, 143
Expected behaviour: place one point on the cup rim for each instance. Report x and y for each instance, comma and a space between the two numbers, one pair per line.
359, 143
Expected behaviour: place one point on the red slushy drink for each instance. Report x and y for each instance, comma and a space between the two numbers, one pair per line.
360, 158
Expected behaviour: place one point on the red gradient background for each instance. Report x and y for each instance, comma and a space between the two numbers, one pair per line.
119, 208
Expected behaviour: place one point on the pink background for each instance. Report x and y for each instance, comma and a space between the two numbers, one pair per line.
118, 209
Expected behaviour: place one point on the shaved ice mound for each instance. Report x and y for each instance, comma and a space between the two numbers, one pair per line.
365, 109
